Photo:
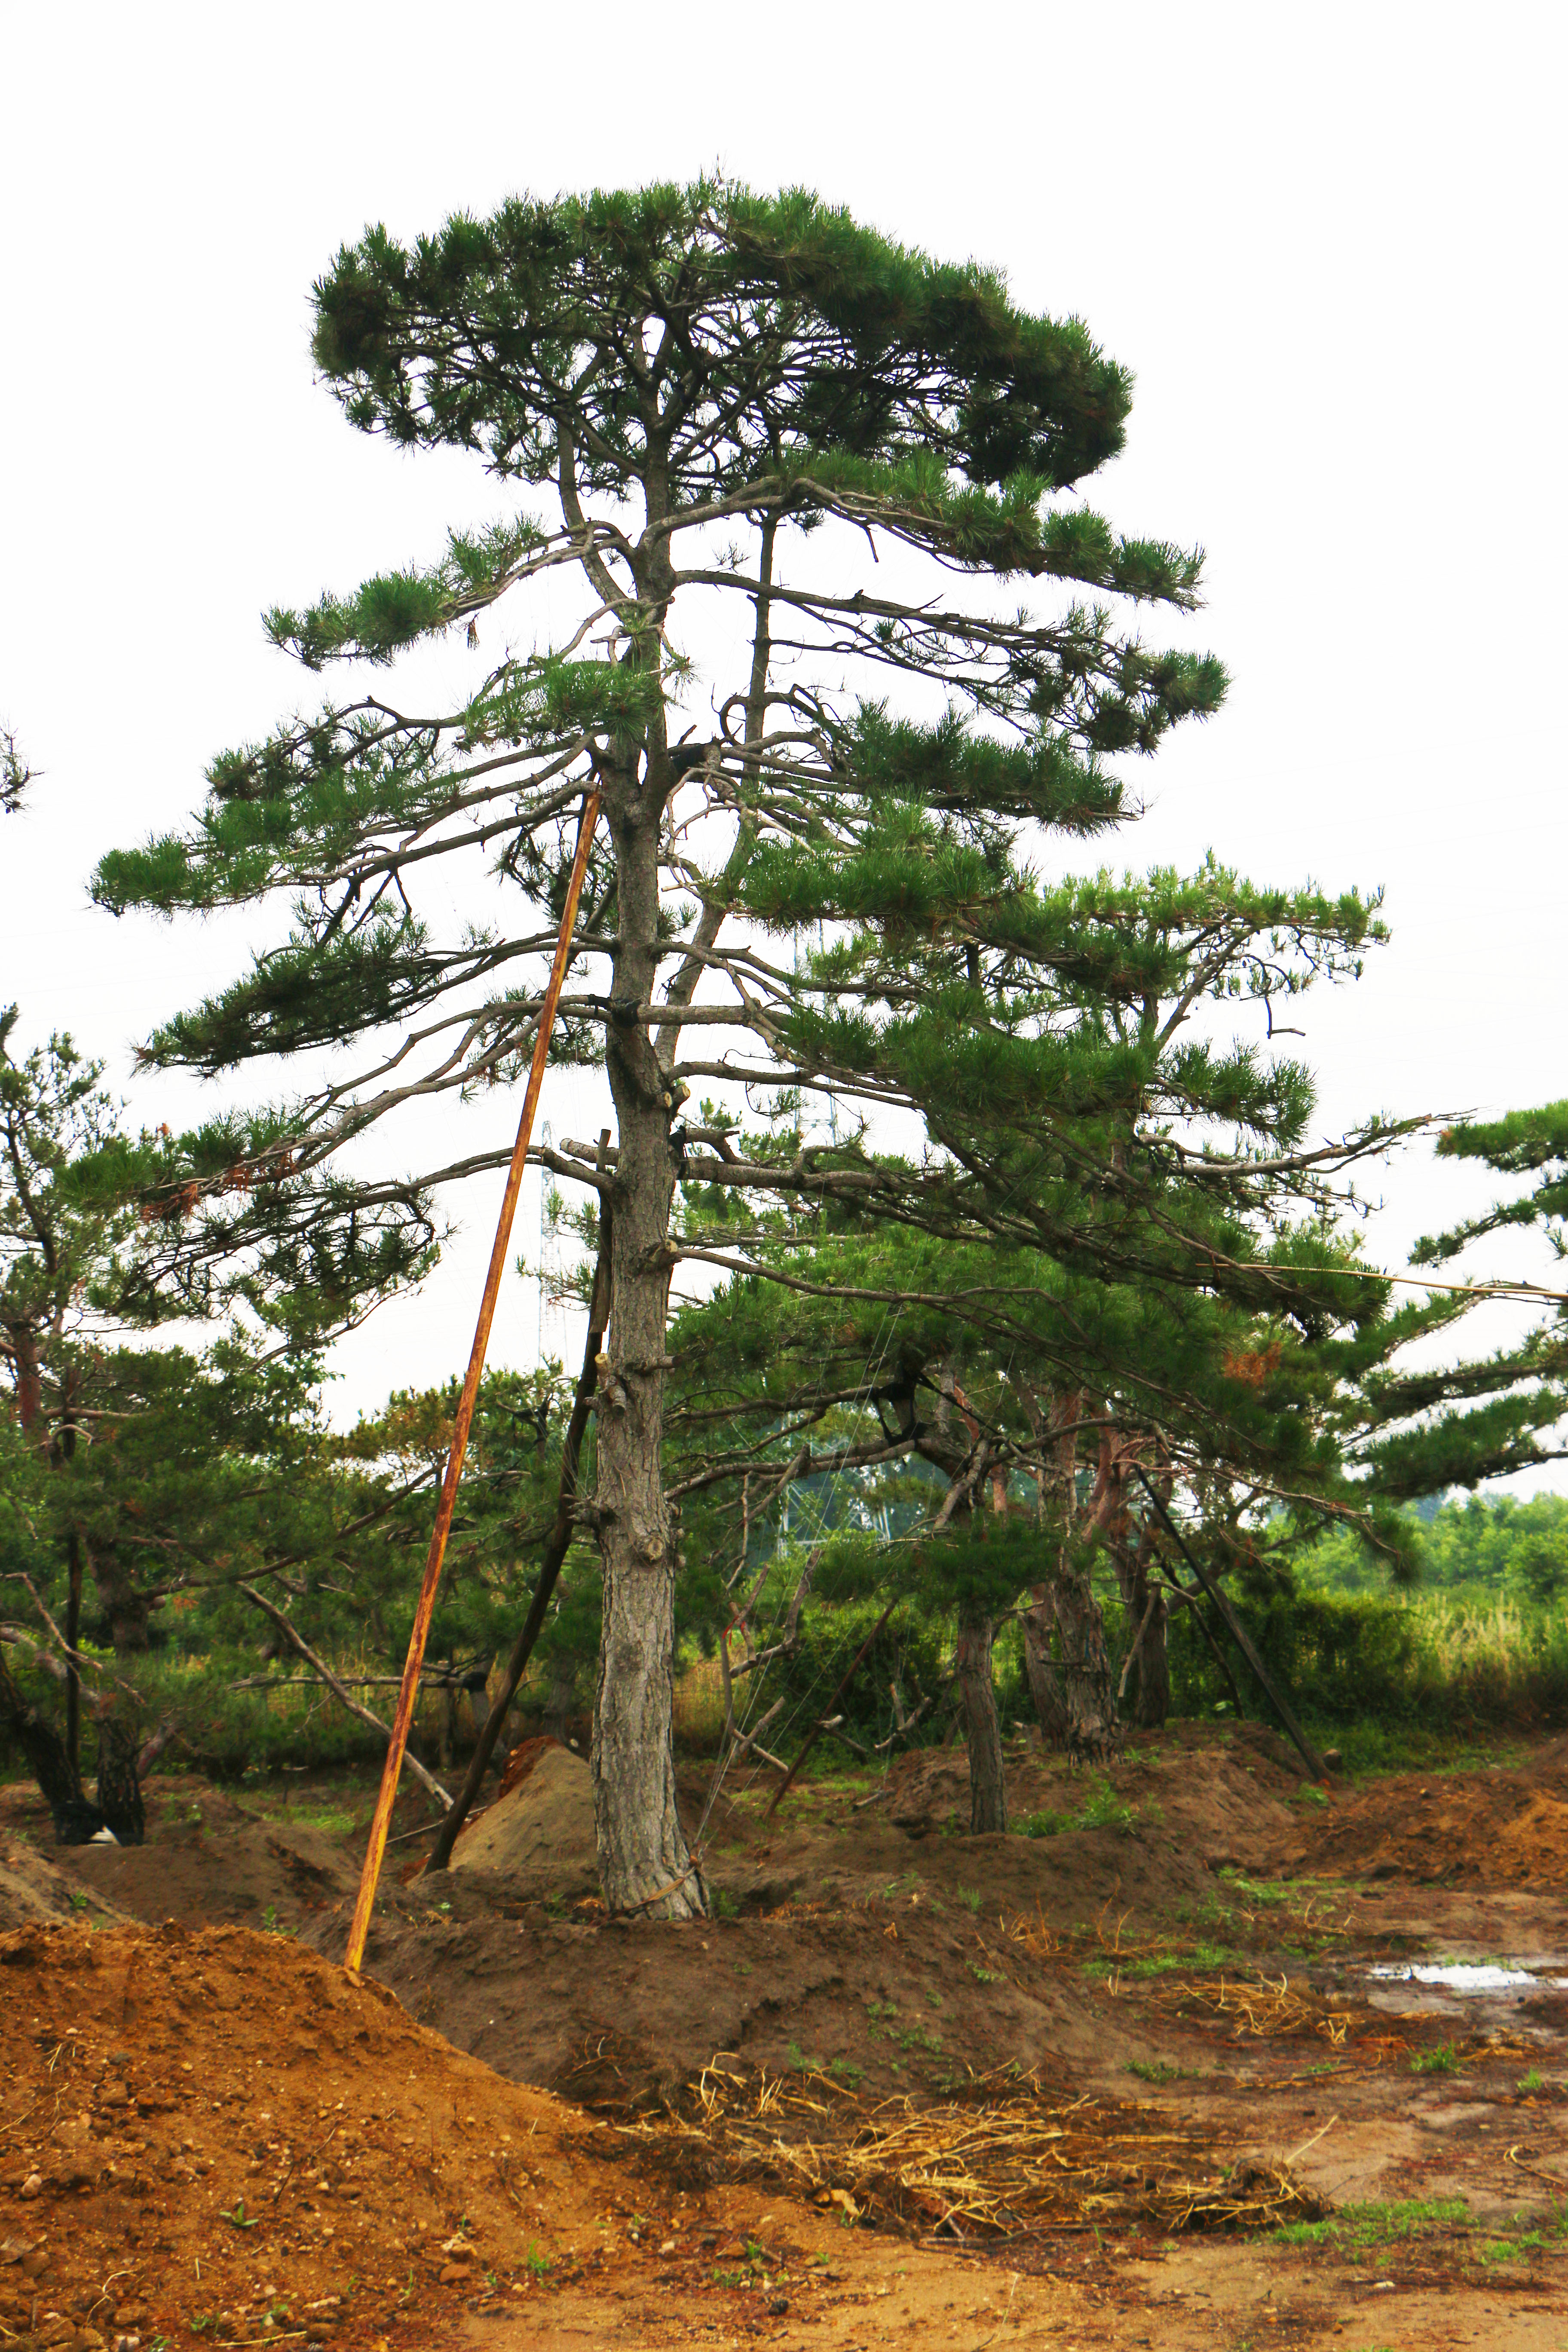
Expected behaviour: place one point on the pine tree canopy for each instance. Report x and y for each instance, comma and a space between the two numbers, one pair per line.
731, 400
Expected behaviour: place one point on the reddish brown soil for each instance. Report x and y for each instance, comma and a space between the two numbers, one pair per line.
867, 1934
220, 2126
1502, 1826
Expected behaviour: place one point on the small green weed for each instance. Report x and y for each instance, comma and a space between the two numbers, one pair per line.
970, 1897
1443, 2060
1158, 2071
917, 2038
982, 1976
537, 2262
1376, 2225
844, 2071
1107, 1810
1534, 2081
1251, 1891
726, 1904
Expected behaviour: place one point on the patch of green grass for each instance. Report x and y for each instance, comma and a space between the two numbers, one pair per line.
726, 1905
1443, 2060
1534, 2081
844, 2071
1159, 2071
1309, 1794
1519, 2247
1165, 1964
981, 1976
970, 1897
1251, 1891
537, 2260
1377, 2224
1103, 1809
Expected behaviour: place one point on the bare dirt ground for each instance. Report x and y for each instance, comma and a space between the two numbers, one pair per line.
1125, 2081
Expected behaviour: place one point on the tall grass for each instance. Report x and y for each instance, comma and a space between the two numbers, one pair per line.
1436, 1659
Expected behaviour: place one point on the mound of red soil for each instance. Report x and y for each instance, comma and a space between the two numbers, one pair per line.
207, 2129
1494, 1828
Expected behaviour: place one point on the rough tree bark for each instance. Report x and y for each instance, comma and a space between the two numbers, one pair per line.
976, 1690
977, 1699
644, 1862
1039, 1668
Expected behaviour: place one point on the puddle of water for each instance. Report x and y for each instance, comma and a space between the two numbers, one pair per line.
1465, 1977
1449, 1987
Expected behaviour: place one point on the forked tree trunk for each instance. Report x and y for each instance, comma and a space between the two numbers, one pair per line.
977, 1699
643, 1863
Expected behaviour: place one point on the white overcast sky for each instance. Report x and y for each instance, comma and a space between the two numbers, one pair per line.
1327, 241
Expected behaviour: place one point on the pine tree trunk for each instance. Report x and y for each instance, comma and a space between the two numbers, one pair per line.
126, 1606
1153, 1670
1086, 1667
73, 1645
1045, 1684
977, 1699
644, 1862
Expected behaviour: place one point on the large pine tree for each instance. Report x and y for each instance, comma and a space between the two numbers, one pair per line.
731, 404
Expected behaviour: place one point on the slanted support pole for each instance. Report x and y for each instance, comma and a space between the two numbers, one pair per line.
402, 1720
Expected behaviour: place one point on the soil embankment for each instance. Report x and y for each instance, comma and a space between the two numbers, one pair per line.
1150, 2015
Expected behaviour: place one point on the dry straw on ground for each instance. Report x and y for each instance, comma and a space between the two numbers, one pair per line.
1004, 2158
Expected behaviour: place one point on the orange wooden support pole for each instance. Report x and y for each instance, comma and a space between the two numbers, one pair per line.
406, 1695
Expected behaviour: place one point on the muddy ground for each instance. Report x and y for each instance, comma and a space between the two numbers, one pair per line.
1127, 2080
